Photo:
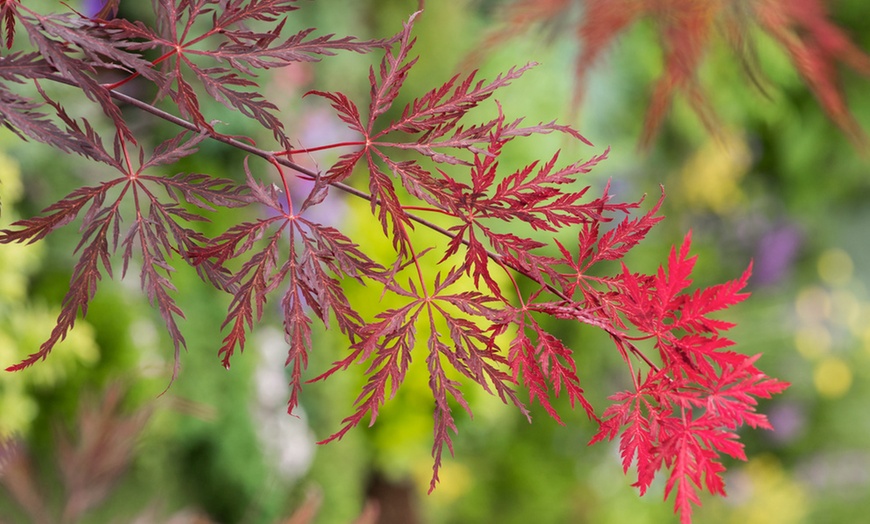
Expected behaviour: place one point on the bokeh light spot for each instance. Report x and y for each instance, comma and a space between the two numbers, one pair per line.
845, 307
711, 179
832, 377
813, 303
770, 495
835, 267
812, 341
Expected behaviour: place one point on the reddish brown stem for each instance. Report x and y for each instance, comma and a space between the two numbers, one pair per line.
166, 56
291, 152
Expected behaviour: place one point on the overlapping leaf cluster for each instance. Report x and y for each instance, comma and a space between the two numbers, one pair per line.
424, 165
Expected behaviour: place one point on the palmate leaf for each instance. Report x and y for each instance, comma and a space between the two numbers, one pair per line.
157, 231
388, 342
520, 197
683, 416
319, 256
185, 53
426, 122
540, 200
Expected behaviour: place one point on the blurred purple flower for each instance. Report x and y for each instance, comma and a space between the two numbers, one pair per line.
776, 252
92, 7
844, 472
788, 421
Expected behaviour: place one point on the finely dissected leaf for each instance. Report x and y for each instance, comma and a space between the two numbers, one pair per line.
543, 363
81, 72
432, 122
156, 233
155, 249
683, 416
817, 46
237, 11
695, 308
21, 115
473, 353
8, 13
83, 285
18, 66
256, 50
733, 396
615, 243
248, 283
388, 343
319, 257
221, 85
66, 29
443, 388
243, 49
668, 283
56, 215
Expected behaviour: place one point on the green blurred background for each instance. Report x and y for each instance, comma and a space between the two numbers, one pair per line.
781, 186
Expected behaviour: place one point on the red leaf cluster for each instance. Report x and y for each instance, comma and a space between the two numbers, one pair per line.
686, 28
422, 160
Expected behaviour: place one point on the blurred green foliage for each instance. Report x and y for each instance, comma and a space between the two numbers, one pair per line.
24, 320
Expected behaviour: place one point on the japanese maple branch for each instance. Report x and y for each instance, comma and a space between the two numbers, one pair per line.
275, 158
